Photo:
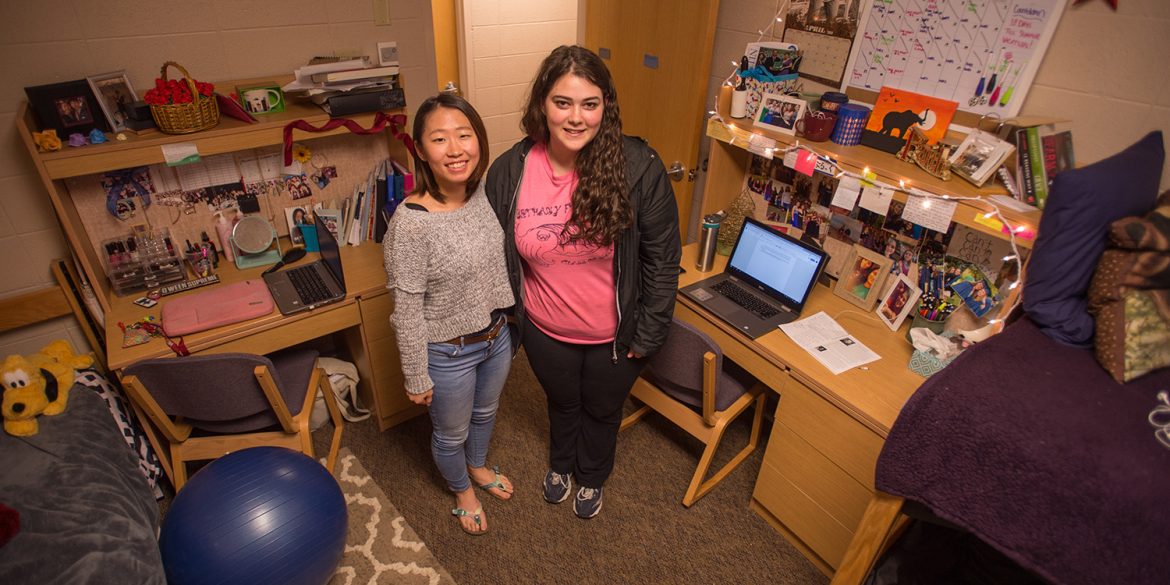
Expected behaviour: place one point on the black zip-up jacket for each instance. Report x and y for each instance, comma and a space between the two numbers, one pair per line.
646, 255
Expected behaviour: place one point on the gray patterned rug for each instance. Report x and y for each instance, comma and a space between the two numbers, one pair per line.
380, 547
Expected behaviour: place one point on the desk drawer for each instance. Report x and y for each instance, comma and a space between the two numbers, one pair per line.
816, 528
376, 316
829, 430
838, 494
387, 373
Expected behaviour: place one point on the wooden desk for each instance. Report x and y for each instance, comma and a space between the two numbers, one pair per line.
818, 468
362, 320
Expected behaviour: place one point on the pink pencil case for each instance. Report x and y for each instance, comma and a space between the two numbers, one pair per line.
215, 307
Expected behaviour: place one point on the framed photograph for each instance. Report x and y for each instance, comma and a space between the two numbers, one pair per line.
68, 107
114, 95
898, 303
780, 112
979, 155
862, 277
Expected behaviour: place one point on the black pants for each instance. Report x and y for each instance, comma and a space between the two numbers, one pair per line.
585, 391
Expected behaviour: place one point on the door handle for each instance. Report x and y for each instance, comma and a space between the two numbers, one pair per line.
676, 171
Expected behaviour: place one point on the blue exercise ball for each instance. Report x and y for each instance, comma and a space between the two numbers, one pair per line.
259, 515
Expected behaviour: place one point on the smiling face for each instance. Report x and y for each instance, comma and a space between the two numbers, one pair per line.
450, 148
574, 110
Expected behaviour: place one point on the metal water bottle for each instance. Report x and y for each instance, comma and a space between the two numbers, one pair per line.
708, 237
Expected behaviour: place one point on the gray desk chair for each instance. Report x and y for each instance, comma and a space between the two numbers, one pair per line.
209, 405
689, 383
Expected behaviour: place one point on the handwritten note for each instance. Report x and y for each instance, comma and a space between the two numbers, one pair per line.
929, 212
877, 199
848, 189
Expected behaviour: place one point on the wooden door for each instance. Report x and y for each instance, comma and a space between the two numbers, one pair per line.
659, 53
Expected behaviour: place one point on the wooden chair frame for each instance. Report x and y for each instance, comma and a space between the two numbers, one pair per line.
181, 448
707, 426
882, 520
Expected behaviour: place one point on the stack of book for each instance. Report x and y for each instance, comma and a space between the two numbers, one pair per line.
1044, 148
365, 214
348, 86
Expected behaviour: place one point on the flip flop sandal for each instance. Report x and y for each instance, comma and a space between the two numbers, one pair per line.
477, 516
496, 484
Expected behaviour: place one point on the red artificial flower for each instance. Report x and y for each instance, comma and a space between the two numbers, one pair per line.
175, 91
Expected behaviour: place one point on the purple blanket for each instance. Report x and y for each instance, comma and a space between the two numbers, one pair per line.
1032, 447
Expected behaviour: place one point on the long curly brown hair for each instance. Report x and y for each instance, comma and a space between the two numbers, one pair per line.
601, 202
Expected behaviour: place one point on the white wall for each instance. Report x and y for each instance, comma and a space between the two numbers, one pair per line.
503, 43
49, 41
1108, 72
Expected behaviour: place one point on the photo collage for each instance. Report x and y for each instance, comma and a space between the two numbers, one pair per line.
962, 267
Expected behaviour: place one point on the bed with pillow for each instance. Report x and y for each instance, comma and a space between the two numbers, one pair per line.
1040, 441
77, 503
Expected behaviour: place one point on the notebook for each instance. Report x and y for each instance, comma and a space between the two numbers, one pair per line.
768, 279
309, 286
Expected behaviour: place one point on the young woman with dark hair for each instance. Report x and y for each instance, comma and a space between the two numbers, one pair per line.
591, 230
444, 254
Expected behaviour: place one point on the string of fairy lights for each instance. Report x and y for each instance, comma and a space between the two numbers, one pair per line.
993, 210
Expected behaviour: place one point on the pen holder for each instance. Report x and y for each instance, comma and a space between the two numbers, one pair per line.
919, 321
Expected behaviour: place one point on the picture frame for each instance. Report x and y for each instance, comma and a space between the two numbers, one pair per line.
779, 113
115, 95
898, 302
862, 277
69, 107
979, 155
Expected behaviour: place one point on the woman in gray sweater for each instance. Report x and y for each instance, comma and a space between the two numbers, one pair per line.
445, 267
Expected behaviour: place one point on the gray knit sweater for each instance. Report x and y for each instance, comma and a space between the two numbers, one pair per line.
447, 273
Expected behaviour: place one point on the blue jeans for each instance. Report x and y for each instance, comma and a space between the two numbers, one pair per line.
468, 382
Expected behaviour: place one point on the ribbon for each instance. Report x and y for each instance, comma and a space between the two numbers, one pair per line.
381, 120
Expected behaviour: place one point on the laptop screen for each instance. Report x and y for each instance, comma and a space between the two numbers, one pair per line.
775, 263
330, 252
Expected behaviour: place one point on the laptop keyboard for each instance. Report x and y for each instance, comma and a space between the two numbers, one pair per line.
745, 299
309, 285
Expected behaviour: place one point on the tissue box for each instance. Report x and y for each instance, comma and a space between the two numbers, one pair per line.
926, 364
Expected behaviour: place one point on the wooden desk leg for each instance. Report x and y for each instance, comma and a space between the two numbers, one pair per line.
876, 524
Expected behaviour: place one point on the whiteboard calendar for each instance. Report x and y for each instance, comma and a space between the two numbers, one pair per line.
982, 54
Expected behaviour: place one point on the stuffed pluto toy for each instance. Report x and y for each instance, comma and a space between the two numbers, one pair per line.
38, 384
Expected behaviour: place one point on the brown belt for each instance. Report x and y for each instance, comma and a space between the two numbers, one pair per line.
490, 334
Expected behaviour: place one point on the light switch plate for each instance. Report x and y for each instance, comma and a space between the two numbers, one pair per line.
381, 12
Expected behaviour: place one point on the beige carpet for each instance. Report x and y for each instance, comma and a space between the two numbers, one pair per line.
380, 547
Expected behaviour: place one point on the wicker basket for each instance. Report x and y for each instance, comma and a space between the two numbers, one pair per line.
201, 114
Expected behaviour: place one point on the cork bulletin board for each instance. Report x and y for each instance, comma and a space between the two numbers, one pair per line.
982, 54
353, 157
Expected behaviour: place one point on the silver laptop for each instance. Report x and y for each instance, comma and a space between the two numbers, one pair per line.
307, 287
768, 279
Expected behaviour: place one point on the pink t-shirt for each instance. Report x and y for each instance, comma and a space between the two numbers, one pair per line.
568, 287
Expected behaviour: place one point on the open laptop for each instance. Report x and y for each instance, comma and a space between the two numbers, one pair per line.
307, 287
769, 277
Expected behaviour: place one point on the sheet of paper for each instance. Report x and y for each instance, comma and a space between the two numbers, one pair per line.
848, 188
877, 199
761, 145
1013, 204
806, 162
929, 212
180, 154
790, 159
828, 342
222, 169
193, 177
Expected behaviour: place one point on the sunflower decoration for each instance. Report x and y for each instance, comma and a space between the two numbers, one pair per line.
301, 153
